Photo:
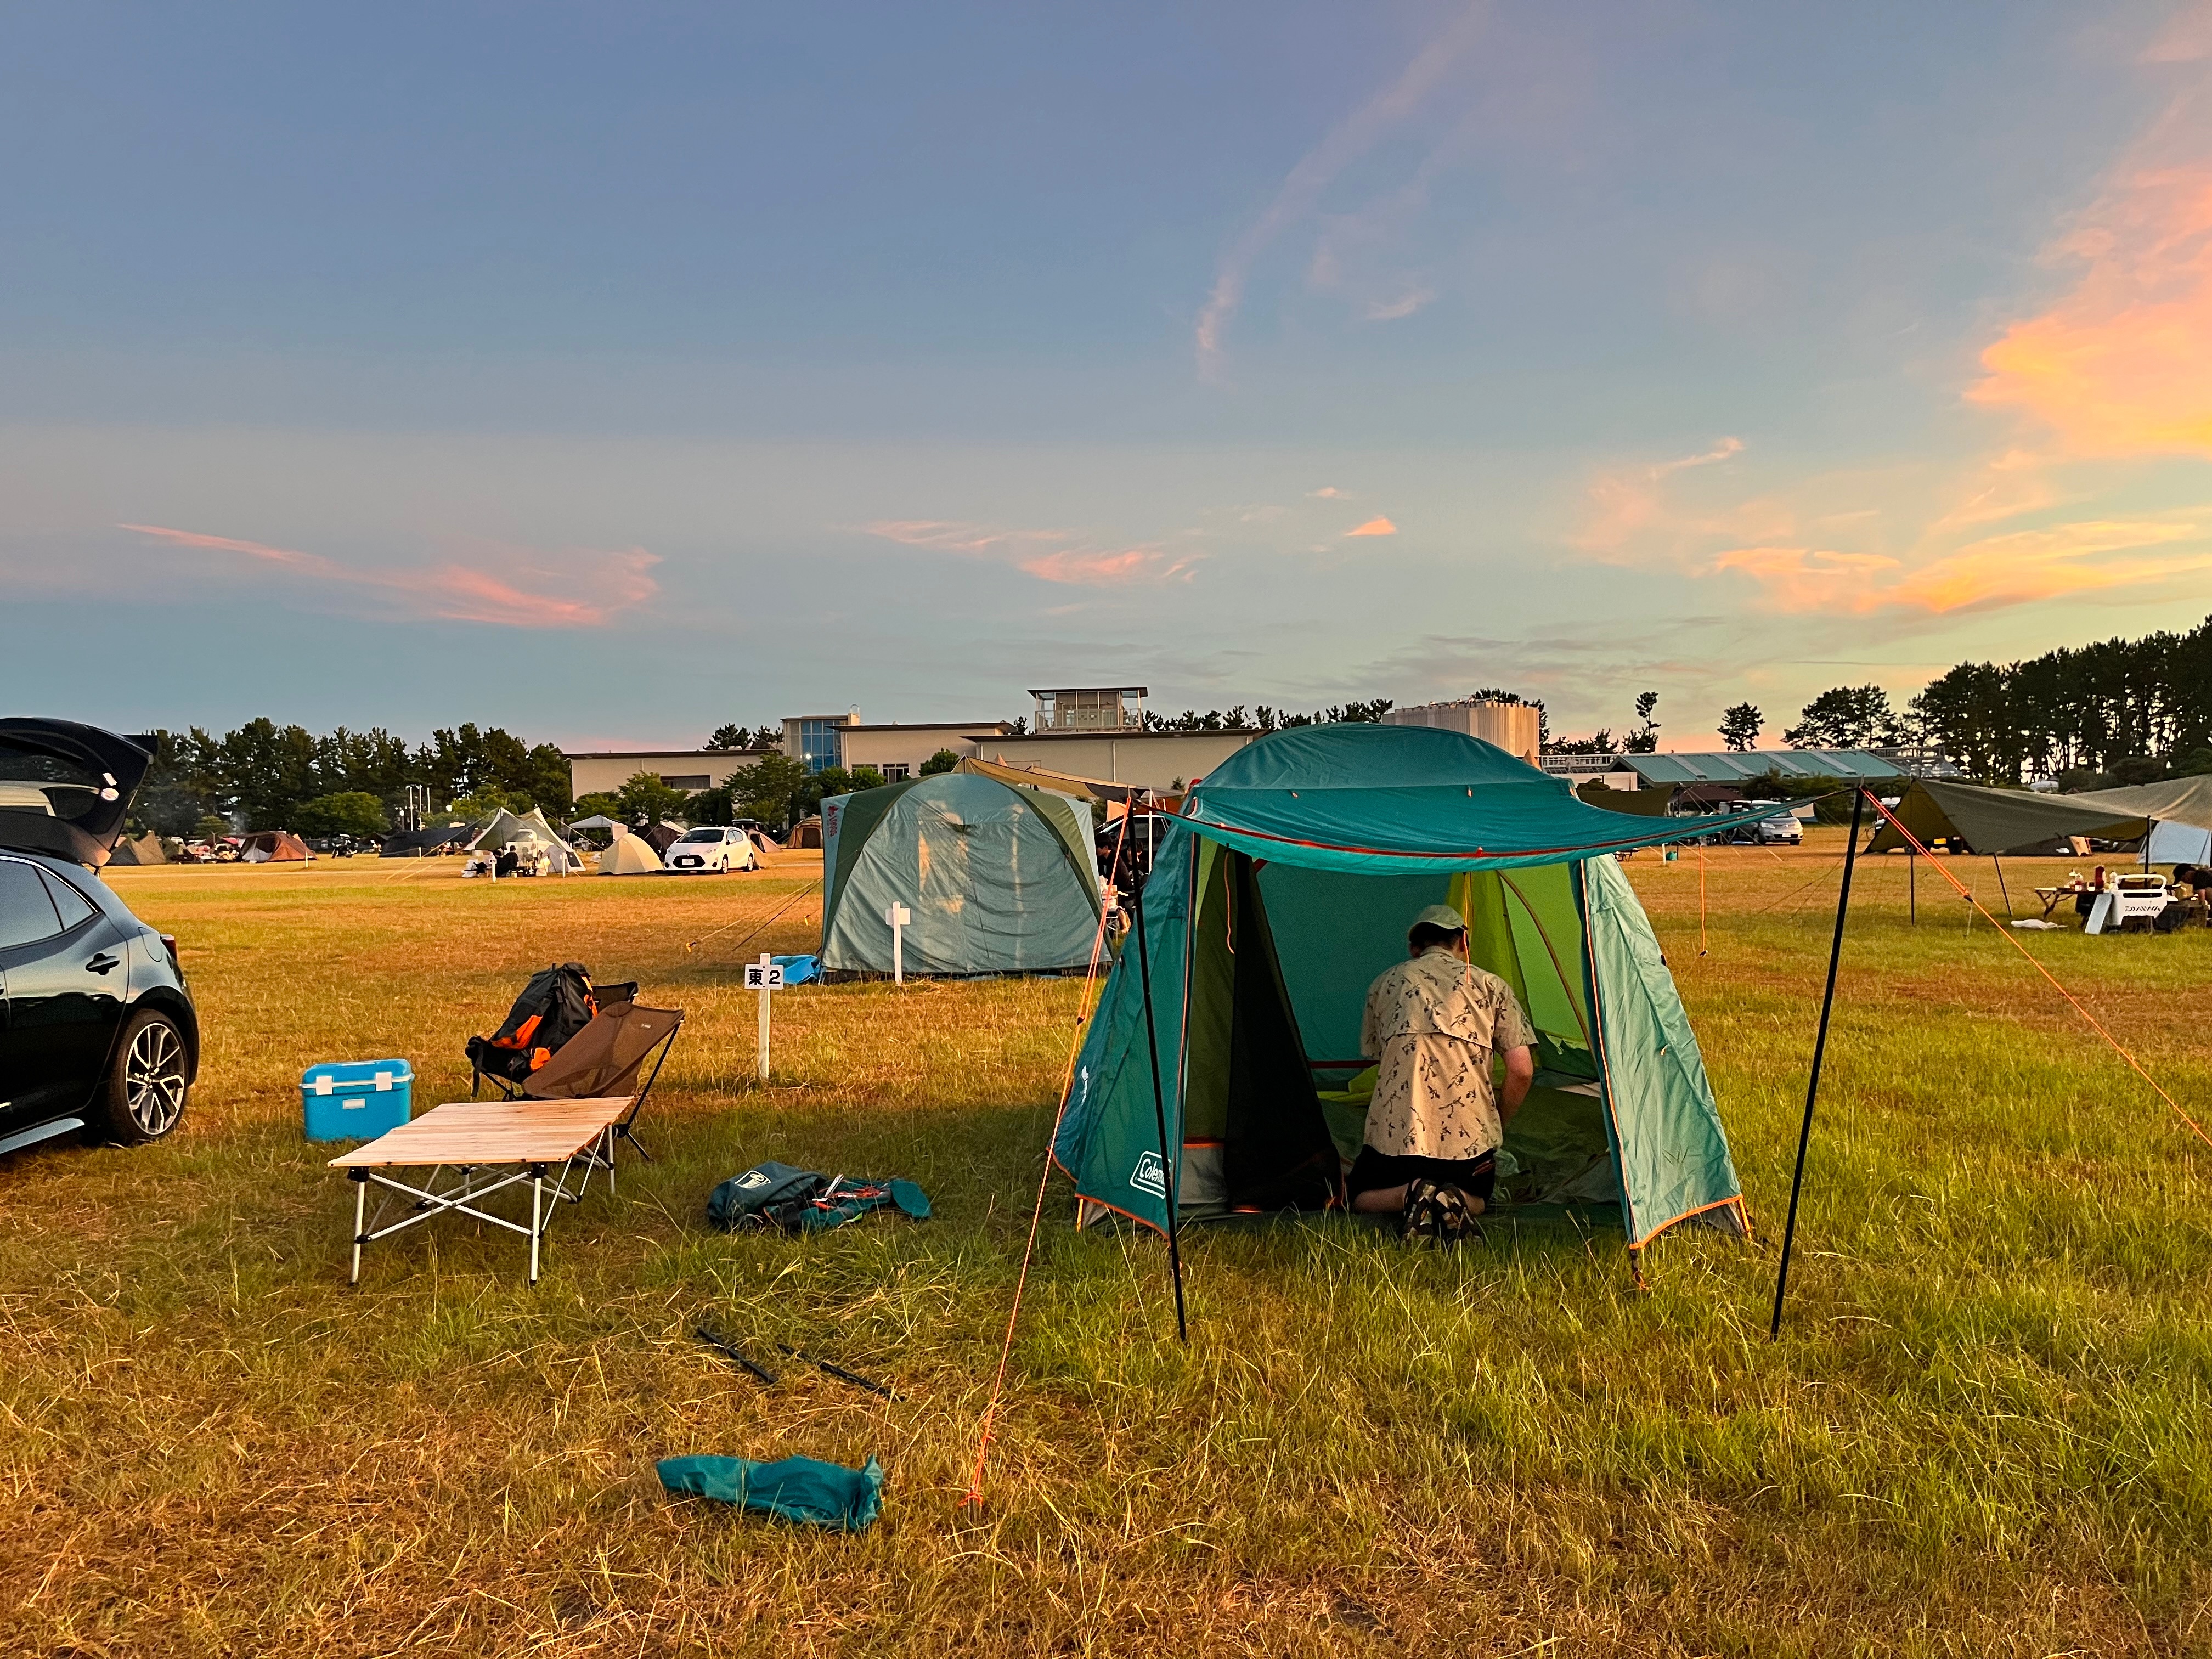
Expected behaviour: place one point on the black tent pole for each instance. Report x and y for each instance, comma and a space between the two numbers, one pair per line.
2002, 888
1160, 1112
1911, 880
1819, 1050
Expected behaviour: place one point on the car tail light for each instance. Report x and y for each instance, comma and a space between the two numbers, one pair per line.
169, 944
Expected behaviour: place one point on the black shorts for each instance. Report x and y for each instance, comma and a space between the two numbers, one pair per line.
1372, 1168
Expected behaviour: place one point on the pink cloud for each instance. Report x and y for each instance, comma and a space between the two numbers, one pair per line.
1375, 526
1051, 555
1329, 493
461, 593
2017, 569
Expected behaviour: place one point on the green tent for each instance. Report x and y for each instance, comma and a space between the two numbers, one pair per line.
1001, 879
1288, 886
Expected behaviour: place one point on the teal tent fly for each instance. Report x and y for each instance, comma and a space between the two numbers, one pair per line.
997, 879
1288, 884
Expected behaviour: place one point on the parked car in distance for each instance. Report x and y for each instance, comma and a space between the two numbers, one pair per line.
1783, 829
98, 1032
720, 848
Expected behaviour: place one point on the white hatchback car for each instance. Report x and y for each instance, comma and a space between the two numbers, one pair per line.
719, 847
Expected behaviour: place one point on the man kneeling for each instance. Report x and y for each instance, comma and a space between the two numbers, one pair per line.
1429, 1152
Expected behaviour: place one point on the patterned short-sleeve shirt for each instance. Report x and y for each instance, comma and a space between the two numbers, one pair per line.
1432, 1024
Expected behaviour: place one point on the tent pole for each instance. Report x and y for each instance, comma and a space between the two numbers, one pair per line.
2002, 888
1819, 1052
1911, 880
1172, 1179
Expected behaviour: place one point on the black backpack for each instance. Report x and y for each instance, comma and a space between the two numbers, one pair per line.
558, 1002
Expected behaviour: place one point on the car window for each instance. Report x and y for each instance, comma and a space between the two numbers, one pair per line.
73, 906
702, 834
27, 914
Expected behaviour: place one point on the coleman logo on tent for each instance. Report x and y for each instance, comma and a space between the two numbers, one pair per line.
1151, 1175
753, 1178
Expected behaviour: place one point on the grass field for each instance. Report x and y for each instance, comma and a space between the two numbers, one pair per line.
1985, 1430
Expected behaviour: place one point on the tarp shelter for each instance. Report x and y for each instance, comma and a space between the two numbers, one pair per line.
630, 855
146, 849
2179, 810
1637, 803
1285, 889
428, 840
1992, 822
999, 878
505, 828
273, 846
1065, 783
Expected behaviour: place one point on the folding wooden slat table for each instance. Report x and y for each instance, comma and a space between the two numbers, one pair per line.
490, 1146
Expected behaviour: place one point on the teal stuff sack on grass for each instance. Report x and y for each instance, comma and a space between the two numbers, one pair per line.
804, 1491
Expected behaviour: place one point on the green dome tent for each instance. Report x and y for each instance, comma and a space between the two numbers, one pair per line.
1288, 885
1001, 879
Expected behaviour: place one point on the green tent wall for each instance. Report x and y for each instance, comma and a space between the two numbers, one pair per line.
1289, 886
1001, 879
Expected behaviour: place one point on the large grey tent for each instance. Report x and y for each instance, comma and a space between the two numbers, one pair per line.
2179, 810
1998, 821
506, 827
1000, 879
145, 849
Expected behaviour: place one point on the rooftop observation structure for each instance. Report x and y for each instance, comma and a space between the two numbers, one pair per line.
1089, 708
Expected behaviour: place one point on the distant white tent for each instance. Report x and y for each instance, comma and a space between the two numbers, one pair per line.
630, 855
597, 821
508, 827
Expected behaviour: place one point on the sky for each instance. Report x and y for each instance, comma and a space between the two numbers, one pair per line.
610, 373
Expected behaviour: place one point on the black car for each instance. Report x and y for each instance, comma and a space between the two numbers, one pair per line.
97, 1028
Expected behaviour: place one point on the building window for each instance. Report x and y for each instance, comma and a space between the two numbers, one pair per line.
686, 781
818, 744
895, 771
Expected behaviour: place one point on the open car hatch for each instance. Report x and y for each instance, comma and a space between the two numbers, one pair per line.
65, 787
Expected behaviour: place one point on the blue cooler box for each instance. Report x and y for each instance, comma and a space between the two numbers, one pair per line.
357, 1099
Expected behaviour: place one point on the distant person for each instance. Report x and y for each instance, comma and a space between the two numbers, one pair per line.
1432, 1022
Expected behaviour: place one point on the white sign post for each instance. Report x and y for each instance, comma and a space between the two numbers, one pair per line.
899, 916
765, 977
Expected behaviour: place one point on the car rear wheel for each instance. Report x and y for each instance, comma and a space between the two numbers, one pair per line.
143, 1094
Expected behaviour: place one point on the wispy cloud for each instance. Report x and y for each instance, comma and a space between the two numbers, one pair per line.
1405, 306
1329, 493
2122, 364
509, 598
2019, 569
1301, 190
1374, 526
1051, 555
1726, 450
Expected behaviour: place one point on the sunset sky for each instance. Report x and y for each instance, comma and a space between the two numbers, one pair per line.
610, 372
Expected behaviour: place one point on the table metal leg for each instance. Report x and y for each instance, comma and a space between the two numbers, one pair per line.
360, 1218
537, 1210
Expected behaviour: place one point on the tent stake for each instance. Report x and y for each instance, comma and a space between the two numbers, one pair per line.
1160, 1112
1819, 1050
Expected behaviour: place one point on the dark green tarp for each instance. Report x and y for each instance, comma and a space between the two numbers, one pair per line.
1996, 821
1289, 885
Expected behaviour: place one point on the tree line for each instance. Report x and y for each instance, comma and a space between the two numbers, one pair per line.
266, 776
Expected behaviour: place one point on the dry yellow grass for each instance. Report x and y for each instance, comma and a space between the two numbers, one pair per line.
1984, 1432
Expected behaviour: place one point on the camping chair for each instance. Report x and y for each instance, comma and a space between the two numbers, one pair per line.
602, 1060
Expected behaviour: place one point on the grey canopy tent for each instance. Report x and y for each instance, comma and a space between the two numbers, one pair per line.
1994, 823
1997, 821
506, 827
2180, 814
999, 878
